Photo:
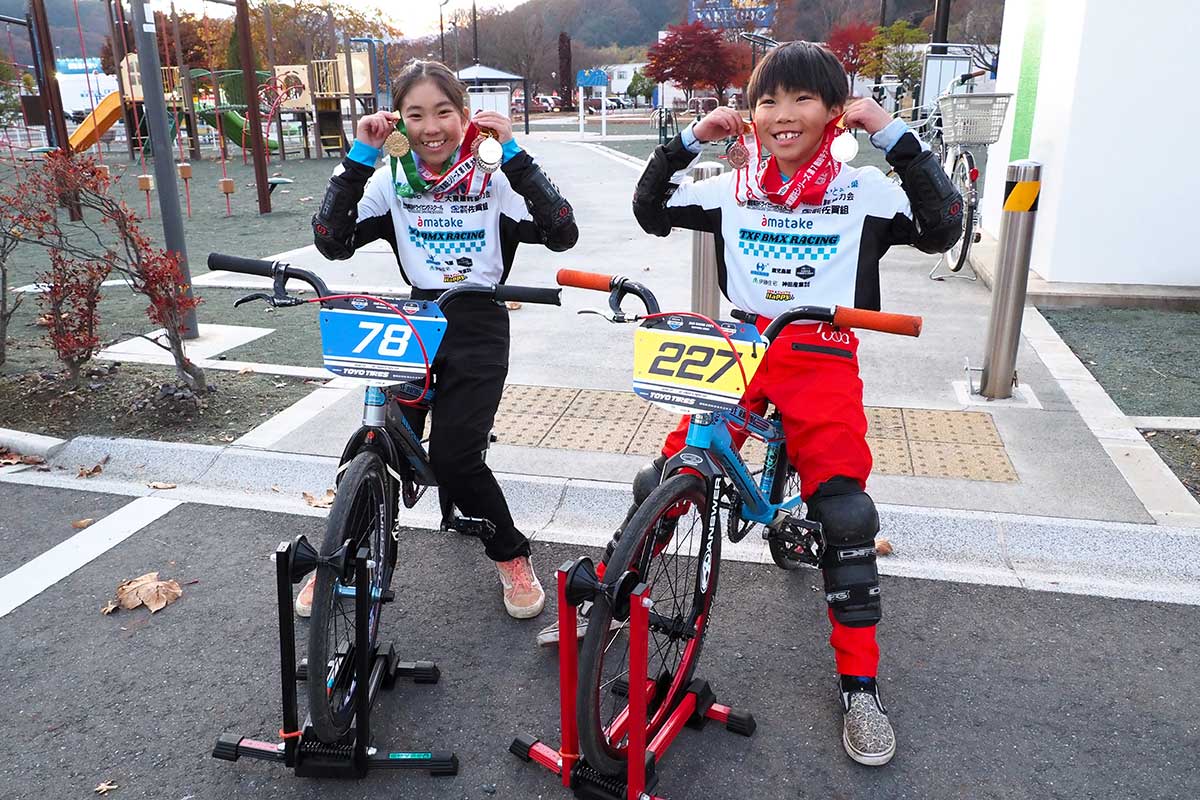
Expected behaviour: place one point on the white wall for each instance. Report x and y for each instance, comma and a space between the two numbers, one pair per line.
1120, 189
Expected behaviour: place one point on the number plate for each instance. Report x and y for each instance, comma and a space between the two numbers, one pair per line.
365, 339
685, 365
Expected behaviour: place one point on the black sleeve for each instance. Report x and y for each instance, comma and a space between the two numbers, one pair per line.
654, 188
937, 210
553, 223
337, 232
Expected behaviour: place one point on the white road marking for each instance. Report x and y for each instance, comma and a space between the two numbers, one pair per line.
34, 577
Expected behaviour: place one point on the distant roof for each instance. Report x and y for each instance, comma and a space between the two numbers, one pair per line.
478, 72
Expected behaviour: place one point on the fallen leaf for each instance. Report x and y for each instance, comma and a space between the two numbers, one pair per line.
109, 607
32, 460
161, 485
80, 524
245, 371
274, 487
883, 547
319, 502
1151, 433
8, 459
89, 472
105, 787
149, 590
512, 305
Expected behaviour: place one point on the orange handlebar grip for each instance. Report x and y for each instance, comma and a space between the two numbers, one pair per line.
585, 280
902, 324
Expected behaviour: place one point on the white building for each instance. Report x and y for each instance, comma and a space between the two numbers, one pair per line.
75, 79
1099, 109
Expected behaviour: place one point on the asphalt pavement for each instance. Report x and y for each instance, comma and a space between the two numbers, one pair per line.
994, 692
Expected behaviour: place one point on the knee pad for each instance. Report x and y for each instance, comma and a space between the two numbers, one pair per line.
849, 523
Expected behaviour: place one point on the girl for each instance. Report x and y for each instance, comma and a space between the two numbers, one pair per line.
432, 182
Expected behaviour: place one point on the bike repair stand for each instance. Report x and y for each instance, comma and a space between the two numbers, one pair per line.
577, 583
300, 749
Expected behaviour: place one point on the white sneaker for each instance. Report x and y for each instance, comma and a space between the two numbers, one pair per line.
523, 595
304, 600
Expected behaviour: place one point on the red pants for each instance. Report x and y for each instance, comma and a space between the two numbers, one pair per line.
810, 374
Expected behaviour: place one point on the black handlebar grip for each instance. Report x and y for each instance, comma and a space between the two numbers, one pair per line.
246, 266
529, 294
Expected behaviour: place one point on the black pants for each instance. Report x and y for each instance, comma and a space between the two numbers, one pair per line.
468, 372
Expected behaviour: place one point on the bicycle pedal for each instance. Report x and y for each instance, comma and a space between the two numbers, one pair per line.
803, 536
473, 526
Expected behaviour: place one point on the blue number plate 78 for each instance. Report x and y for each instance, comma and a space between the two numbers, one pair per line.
363, 338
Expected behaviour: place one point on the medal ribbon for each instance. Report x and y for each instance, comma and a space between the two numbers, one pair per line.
761, 177
422, 179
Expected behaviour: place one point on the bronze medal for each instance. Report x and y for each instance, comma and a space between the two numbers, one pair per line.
737, 154
396, 145
488, 152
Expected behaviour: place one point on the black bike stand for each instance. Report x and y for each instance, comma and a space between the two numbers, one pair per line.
375, 668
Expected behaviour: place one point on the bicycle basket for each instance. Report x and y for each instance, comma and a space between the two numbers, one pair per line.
364, 338
972, 119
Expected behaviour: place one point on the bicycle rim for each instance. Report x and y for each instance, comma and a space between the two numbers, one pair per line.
677, 556
360, 513
964, 165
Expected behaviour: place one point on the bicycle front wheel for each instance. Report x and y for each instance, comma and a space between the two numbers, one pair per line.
963, 178
362, 514
670, 545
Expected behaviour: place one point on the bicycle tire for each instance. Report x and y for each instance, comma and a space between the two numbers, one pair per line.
644, 542
784, 487
362, 512
964, 168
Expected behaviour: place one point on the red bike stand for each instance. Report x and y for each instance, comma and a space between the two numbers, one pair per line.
576, 583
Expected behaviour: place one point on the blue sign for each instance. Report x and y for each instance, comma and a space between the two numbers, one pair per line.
732, 13
591, 77
363, 338
76, 66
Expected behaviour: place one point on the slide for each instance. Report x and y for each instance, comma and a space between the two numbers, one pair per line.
94, 126
232, 124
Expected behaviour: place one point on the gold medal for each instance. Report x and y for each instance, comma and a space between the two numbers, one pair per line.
396, 145
488, 152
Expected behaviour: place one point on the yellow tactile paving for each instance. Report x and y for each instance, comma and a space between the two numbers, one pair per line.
885, 423
524, 429
921, 442
952, 427
890, 456
602, 436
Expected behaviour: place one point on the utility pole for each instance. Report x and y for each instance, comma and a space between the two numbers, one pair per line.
475, 28
441, 30
941, 25
155, 108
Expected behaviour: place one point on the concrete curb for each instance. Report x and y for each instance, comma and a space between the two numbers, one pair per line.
1145, 562
30, 444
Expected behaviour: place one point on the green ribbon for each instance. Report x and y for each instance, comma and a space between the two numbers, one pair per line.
416, 184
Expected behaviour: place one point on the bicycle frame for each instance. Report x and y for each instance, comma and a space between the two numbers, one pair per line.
710, 451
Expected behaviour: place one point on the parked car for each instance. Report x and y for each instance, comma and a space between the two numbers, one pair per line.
547, 103
702, 105
593, 104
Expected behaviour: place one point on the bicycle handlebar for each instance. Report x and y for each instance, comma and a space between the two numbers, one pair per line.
281, 272
841, 316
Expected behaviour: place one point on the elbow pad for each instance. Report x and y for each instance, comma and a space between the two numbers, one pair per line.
654, 186
937, 206
334, 223
552, 214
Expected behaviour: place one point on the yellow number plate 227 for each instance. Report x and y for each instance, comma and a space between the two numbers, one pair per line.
685, 365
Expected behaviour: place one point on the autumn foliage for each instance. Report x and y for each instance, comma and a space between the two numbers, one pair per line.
692, 56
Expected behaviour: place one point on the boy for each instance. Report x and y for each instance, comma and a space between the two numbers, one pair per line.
798, 228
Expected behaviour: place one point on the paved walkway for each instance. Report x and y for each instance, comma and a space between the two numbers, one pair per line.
1071, 483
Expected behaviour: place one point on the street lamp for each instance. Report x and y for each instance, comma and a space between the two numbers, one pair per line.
475, 29
441, 29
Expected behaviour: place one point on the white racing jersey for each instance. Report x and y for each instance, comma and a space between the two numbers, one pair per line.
449, 242
770, 259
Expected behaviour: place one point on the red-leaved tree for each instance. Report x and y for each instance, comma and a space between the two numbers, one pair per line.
691, 56
107, 239
849, 43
